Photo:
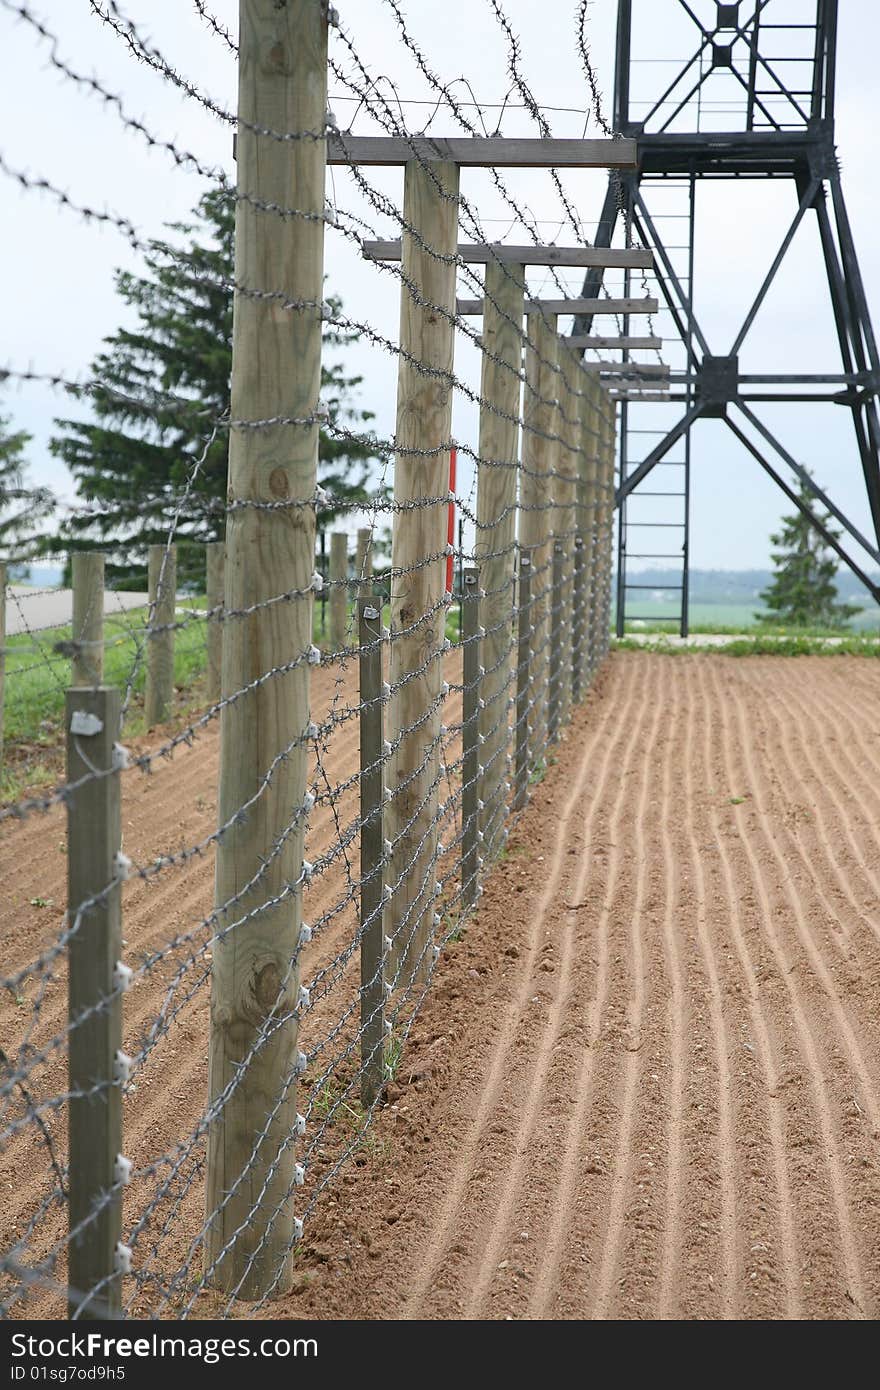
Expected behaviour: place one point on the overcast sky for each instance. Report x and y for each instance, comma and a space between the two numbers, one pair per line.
58, 297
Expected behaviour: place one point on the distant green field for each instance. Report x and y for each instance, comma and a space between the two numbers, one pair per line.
715, 617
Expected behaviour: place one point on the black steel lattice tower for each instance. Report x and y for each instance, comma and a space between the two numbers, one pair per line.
754, 101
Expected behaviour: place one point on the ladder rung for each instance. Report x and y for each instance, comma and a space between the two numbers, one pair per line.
658, 525
660, 494
652, 618
675, 555
658, 588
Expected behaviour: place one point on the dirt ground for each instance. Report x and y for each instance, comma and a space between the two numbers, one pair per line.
646, 1082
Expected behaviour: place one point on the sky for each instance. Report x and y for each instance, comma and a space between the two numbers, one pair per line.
58, 294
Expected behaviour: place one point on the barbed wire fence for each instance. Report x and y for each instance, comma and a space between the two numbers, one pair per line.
364, 786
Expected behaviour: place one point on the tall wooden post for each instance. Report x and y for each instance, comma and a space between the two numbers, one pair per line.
162, 585
338, 589
424, 425
540, 453
591, 497
363, 569
470, 737
495, 542
87, 579
214, 597
606, 474
566, 511
276, 371
94, 1004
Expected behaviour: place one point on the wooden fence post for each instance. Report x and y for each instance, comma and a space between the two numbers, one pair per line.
540, 453
418, 584
338, 589
372, 780
495, 541
556, 673
87, 579
523, 682
606, 472
215, 597
363, 569
162, 585
276, 372
92, 718
593, 496
470, 738
2, 653
566, 513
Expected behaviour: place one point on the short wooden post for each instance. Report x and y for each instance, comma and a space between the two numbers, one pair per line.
270, 550
495, 541
87, 578
565, 517
215, 599
162, 585
418, 583
92, 719
363, 569
470, 738
540, 452
372, 782
557, 617
523, 682
590, 496
2, 653
338, 589
578, 638
606, 473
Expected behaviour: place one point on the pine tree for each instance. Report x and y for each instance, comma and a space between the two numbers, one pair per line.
21, 507
803, 592
132, 461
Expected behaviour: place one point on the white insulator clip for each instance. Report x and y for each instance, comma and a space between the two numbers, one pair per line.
443, 731
303, 999
308, 802
438, 889
480, 837
122, 1171
300, 1064
481, 703
317, 581
307, 870
122, 867
299, 1174
321, 496
386, 795
122, 1258
441, 848
389, 1028
120, 758
450, 548
444, 689
388, 988
314, 655
332, 17
481, 805
332, 123
311, 729
386, 634
481, 632
387, 943
122, 1067
387, 750
435, 954
386, 848
387, 894
297, 1228
437, 919
122, 977
85, 724
386, 691
305, 934
299, 1126
322, 412
446, 645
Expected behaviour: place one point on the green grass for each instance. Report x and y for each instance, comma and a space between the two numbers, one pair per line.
765, 644
36, 681
728, 618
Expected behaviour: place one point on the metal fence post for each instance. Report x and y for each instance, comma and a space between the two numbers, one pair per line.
94, 1002
162, 584
554, 683
363, 570
470, 738
215, 598
372, 849
87, 579
523, 681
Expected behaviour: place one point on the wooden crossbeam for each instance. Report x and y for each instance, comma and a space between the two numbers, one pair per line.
474, 307
630, 369
589, 340
494, 152
660, 394
598, 257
